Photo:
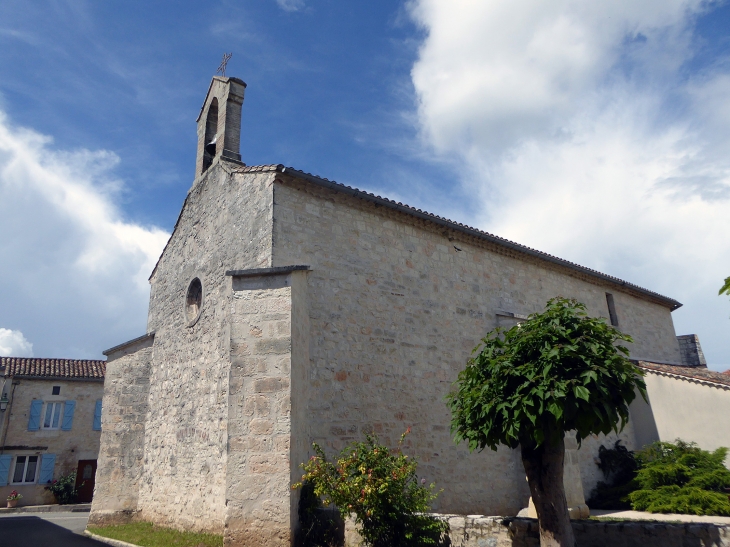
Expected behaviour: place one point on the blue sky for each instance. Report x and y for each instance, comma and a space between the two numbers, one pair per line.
597, 133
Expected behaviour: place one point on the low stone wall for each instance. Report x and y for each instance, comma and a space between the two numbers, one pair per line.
480, 531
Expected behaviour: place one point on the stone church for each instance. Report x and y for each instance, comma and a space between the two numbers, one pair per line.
288, 308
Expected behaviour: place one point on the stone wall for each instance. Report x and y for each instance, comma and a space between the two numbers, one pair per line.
587, 454
300, 444
225, 224
691, 351
121, 457
259, 412
396, 306
481, 531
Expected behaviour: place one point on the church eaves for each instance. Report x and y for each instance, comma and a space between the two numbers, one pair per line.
671, 303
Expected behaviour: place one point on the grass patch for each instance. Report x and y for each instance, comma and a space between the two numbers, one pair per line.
147, 534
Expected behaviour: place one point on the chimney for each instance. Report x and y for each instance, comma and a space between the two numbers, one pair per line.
219, 123
691, 351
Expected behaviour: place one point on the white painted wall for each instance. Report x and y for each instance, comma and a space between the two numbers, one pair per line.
683, 408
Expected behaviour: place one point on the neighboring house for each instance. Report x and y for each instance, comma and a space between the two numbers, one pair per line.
50, 425
287, 309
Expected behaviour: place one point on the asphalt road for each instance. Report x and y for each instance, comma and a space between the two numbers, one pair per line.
45, 530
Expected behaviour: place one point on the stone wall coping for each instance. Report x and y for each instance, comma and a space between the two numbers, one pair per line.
686, 373
129, 343
255, 272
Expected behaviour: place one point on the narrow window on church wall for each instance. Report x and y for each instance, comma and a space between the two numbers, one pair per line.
194, 301
611, 309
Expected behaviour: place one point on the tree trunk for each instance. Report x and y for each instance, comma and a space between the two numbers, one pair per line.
544, 469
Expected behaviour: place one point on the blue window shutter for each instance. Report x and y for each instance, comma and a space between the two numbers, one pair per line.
97, 416
5, 461
48, 462
34, 419
68, 415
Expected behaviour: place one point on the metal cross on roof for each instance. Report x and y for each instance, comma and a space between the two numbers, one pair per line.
222, 68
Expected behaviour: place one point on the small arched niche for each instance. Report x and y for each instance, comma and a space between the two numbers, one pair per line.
193, 301
211, 129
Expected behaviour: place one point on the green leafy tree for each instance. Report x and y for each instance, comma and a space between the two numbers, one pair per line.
380, 487
558, 371
725, 289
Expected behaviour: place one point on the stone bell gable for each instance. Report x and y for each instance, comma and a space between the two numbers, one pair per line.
288, 309
219, 123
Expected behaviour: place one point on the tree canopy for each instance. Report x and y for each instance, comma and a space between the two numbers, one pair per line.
725, 289
559, 370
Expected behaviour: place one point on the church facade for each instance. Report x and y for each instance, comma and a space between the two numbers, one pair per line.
288, 309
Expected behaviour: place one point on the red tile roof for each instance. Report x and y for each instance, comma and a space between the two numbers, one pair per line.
693, 373
36, 367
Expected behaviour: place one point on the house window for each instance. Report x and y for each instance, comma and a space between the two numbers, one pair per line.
25, 469
56, 390
52, 415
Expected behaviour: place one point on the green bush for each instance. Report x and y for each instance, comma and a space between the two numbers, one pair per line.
681, 478
64, 488
380, 487
688, 500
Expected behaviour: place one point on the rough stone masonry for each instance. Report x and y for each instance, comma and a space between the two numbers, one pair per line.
287, 309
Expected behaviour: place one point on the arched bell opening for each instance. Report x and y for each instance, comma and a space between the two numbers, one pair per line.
211, 129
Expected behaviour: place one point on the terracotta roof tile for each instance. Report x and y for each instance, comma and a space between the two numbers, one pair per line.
37, 367
694, 373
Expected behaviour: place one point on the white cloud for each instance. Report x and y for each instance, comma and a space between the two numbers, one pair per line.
74, 273
291, 5
14, 344
582, 137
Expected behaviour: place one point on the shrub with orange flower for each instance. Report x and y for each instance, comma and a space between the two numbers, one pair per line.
380, 487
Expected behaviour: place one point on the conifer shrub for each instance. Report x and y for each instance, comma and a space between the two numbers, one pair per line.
688, 500
674, 477
380, 488
680, 477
